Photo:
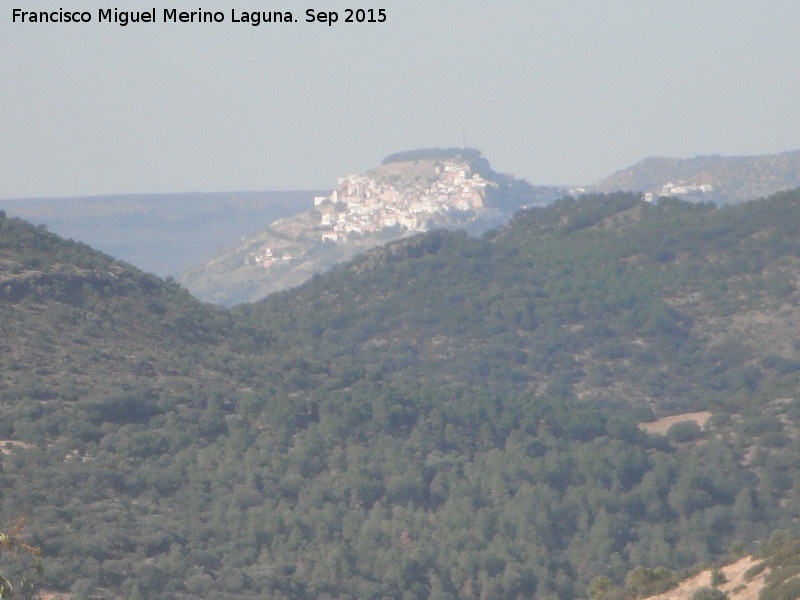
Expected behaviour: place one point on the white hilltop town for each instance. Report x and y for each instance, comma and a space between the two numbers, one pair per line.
364, 204
409, 197
406, 194
452, 188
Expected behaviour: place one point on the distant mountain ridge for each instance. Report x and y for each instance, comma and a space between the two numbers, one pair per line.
719, 179
159, 233
239, 246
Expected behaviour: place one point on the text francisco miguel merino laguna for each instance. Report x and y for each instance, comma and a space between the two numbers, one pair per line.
173, 15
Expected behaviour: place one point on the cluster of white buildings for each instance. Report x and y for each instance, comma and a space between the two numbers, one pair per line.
362, 204
670, 189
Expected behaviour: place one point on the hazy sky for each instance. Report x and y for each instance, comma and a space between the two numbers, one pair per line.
557, 92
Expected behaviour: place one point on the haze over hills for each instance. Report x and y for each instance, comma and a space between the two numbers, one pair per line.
453, 188
719, 179
442, 417
408, 193
159, 233
235, 247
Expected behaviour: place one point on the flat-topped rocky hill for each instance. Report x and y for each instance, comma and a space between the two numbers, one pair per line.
409, 193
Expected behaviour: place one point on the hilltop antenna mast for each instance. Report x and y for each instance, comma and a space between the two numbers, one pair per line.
463, 137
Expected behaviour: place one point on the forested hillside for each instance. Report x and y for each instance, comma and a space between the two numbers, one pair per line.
443, 417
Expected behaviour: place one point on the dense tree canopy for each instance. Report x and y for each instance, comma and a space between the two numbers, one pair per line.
444, 417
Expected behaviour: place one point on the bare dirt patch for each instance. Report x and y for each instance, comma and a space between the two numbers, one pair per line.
662, 425
735, 586
50, 595
6, 445
735, 575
